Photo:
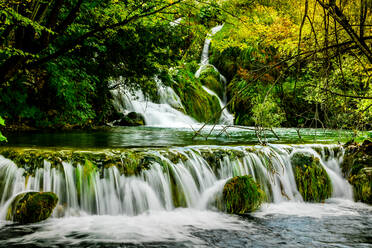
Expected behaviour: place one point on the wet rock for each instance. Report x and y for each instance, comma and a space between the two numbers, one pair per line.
32, 207
312, 180
242, 195
211, 79
132, 119
357, 168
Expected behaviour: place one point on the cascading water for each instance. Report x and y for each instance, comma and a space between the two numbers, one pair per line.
226, 118
169, 112
190, 181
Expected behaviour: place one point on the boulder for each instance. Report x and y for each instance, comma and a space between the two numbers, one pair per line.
242, 195
32, 207
312, 180
357, 168
132, 119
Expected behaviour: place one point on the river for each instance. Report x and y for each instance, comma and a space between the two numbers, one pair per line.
115, 210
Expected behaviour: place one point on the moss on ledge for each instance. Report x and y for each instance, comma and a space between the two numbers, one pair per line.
128, 162
357, 168
312, 180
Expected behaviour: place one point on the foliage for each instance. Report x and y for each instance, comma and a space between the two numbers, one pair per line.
310, 61
2, 123
267, 113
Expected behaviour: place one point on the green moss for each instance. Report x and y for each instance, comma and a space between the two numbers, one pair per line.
242, 195
362, 185
198, 103
32, 207
357, 169
129, 162
175, 157
211, 79
312, 180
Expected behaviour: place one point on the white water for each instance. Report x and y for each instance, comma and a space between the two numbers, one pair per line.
167, 113
194, 179
159, 226
226, 118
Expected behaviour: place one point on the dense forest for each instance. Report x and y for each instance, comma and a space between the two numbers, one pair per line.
287, 63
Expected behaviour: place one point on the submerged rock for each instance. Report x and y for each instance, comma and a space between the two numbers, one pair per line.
357, 168
242, 195
32, 207
312, 180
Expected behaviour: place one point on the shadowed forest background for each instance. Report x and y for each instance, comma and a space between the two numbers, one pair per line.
287, 63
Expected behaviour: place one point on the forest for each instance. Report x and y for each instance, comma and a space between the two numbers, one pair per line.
185, 123
287, 63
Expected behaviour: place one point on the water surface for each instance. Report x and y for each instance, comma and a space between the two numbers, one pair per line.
165, 137
336, 223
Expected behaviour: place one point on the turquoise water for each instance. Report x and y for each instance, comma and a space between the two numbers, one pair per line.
165, 137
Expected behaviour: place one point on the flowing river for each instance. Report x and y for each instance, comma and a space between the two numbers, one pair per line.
171, 202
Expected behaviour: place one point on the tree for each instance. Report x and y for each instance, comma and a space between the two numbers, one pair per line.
35, 32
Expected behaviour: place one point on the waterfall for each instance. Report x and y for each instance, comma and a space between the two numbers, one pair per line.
192, 182
226, 118
169, 112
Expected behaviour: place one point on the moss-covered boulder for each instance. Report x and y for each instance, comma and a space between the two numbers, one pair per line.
357, 168
242, 195
198, 103
211, 79
312, 180
32, 207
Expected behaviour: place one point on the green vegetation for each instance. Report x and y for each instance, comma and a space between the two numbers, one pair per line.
357, 169
287, 63
128, 162
311, 178
242, 195
211, 79
2, 123
199, 104
32, 207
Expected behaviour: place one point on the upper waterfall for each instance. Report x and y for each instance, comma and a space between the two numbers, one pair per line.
167, 113
226, 118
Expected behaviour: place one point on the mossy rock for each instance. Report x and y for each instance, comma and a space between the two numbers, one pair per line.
211, 79
362, 185
312, 180
242, 195
198, 104
128, 162
357, 168
132, 119
32, 207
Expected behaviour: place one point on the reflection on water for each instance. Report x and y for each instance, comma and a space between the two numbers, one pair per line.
163, 137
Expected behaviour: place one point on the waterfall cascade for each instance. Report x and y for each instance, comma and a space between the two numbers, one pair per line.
190, 177
226, 118
168, 112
